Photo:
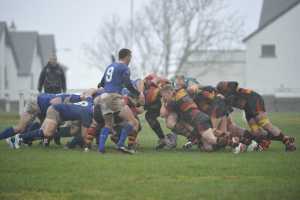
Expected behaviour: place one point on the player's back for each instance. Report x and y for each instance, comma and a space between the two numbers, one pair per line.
114, 77
44, 101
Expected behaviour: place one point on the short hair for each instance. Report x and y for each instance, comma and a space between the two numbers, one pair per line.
124, 53
167, 88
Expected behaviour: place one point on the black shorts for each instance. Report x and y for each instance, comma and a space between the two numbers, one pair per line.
197, 119
255, 104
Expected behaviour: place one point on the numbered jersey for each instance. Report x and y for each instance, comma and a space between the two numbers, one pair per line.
45, 98
82, 111
114, 77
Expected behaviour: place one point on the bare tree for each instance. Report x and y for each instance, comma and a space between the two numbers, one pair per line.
169, 32
111, 36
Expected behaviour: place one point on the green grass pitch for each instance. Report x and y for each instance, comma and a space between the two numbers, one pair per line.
55, 173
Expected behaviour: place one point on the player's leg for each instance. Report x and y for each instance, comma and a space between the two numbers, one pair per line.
48, 128
258, 134
132, 137
151, 117
31, 110
105, 101
107, 128
130, 124
274, 133
203, 126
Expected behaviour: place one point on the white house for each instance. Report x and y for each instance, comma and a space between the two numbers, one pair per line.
272, 56
212, 66
23, 54
8, 64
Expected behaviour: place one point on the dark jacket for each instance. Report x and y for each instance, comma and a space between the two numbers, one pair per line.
53, 79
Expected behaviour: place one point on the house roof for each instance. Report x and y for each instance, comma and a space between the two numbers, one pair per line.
271, 11
24, 44
4, 29
46, 47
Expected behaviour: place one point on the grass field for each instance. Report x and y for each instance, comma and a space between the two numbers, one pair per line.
55, 173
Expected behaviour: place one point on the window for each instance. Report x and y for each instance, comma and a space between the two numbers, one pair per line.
268, 51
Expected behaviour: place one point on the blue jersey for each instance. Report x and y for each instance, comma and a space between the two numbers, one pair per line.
45, 98
82, 111
117, 76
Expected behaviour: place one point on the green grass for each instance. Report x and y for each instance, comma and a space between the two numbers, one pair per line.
55, 173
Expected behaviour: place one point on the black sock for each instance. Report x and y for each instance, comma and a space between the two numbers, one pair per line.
280, 137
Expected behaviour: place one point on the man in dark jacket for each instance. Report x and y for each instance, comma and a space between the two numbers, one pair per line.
52, 78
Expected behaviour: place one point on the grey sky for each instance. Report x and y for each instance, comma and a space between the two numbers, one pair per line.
76, 22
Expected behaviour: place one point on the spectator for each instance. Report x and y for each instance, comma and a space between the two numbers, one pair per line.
52, 78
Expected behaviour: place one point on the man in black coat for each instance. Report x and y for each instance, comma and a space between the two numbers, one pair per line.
52, 78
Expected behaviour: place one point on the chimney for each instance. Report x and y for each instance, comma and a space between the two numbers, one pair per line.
12, 27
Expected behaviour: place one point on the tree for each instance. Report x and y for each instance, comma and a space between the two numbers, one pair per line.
111, 37
169, 32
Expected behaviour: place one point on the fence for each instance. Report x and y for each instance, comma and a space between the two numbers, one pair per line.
274, 103
14, 101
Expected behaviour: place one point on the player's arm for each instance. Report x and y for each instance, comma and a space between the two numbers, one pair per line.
42, 79
88, 93
128, 84
63, 80
102, 82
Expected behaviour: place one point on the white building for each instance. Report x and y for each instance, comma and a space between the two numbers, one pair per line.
23, 54
212, 66
272, 56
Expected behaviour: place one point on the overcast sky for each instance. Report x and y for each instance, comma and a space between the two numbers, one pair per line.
75, 23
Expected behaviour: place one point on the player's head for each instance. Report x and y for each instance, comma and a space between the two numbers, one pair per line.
125, 56
167, 92
180, 82
53, 59
225, 87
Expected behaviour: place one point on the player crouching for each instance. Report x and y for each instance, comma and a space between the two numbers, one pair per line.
179, 102
253, 105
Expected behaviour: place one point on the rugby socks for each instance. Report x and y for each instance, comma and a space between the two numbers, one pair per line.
32, 135
102, 138
124, 133
9, 132
155, 125
280, 137
159, 132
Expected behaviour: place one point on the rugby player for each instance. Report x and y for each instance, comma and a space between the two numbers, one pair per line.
36, 107
253, 105
152, 107
179, 102
58, 113
116, 76
136, 109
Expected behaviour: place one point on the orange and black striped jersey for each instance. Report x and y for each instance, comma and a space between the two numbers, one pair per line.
152, 98
181, 102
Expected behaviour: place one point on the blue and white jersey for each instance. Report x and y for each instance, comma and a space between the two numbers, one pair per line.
44, 99
116, 77
82, 111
